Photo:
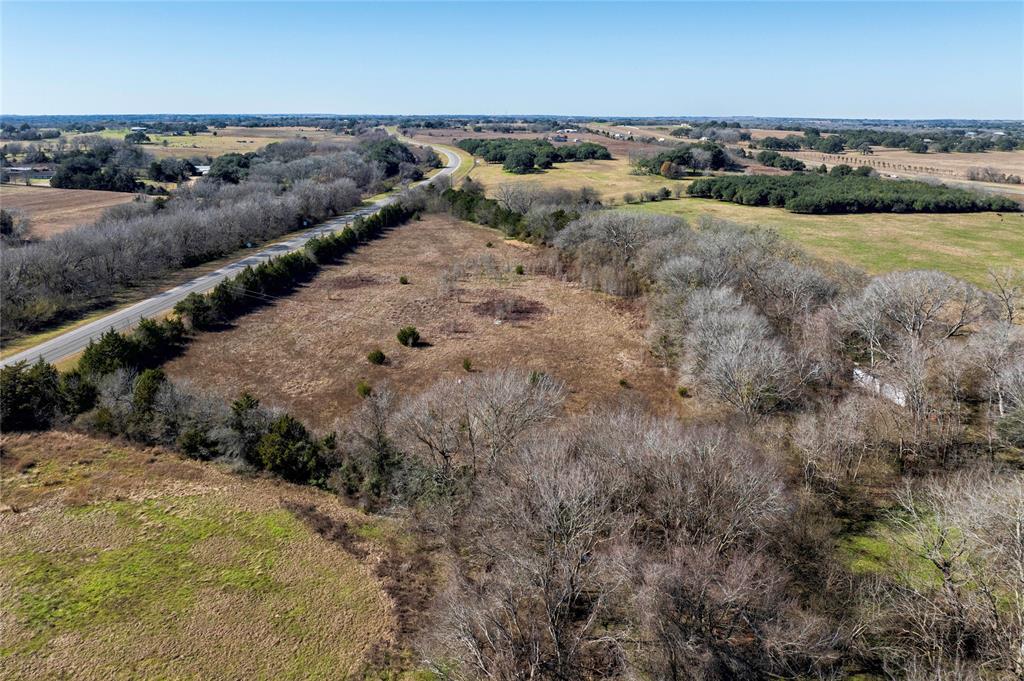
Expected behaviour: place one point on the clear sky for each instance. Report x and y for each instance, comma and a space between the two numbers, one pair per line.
834, 59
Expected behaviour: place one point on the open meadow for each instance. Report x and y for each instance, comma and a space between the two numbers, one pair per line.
965, 245
308, 352
119, 561
52, 211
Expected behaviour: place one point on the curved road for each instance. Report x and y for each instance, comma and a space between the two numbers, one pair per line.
75, 340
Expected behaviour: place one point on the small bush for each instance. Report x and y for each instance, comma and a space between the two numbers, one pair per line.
376, 357
467, 364
519, 269
364, 389
628, 198
683, 391
403, 280
408, 336
664, 193
490, 244
624, 383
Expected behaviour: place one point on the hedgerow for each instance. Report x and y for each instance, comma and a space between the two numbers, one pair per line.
830, 194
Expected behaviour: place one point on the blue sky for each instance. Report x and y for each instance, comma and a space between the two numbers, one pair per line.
835, 59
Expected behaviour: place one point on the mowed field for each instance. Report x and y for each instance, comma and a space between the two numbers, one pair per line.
53, 211
120, 562
965, 245
307, 352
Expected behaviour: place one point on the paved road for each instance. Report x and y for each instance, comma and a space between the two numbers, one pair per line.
75, 340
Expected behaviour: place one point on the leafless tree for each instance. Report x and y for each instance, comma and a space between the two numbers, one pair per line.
1008, 288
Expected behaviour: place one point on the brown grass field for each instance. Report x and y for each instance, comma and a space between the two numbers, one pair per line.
53, 211
307, 352
121, 562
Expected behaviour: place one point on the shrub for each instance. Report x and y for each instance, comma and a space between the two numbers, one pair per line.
467, 364
628, 198
623, 383
490, 244
403, 280
408, 336
29, 396
519, 269
363, 389
290, 451
376, 357
683, 391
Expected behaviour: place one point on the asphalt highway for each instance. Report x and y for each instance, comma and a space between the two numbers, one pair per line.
75, 340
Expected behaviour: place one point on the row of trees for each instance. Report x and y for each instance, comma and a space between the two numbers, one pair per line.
845, 193
49, 280
525, 155
863, 139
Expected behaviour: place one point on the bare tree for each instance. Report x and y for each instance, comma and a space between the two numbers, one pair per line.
1008, 288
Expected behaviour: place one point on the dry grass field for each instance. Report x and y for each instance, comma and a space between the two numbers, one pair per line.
307, 352
900, 161
120, 562
53, 211
611, 178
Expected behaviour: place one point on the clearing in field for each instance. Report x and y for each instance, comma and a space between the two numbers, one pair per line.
965, 245
53, 211
308, 352
123, 562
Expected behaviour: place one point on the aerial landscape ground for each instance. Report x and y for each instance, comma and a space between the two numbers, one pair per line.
636, 393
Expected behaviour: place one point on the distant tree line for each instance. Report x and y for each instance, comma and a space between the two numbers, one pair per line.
525, 156
862, 139
845, 193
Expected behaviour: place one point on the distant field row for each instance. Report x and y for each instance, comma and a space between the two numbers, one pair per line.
226, 140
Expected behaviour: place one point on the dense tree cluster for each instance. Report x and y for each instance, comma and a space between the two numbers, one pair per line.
851, 193
103, 164
776, 160
525, 155
171, 170
520, 210
685, 159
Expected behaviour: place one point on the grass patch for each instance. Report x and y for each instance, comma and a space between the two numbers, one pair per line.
178, 571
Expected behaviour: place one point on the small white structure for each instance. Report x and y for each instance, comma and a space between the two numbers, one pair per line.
865, 380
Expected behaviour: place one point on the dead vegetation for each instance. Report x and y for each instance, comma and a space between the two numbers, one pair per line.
307, 353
